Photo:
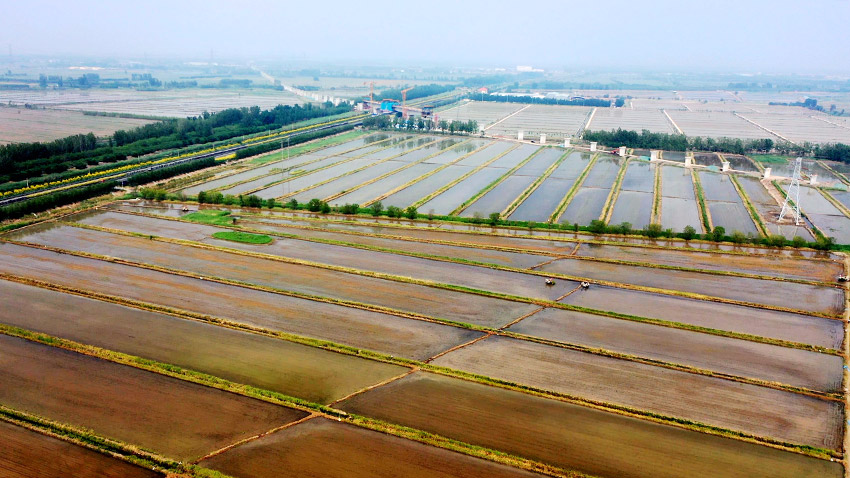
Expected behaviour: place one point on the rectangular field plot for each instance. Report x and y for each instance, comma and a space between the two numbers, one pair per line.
424, 187
717, 124
572, 436
371, 191
824, 215
634, 207
811, 298
26, 453
25, 125
735, 318
801, 128
322, 447
732, 216
484, 112
718, 187
640, 176
540, 163
677, 182
740, 163
311, 374
771, 266
556, 121
585, 206
801, 368
540, 204
178, 419
606, 119
453, 197
515, 283
389, 333
492, 150
604, 173
514, 157
781, 415
500, 197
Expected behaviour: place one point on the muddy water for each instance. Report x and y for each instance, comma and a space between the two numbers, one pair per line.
743, 358
459, 274
572, 436
768, 266
718, 187
747, 320
387, 333
322, 447
732, 216
312, 374
679, 213
781, 415
676, 182
175, 418
26, 453
640, 176
633, 207
760, 291
457, 306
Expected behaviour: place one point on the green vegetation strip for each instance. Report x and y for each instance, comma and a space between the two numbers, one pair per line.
245, 237
559, 211
90, 440
213, 217
404, 432
615, 192
326, 181
294, 403
656, 197
754, 214
427, 283
705, 216
838, 205
395, 171
451, 184
495, 183
537, 182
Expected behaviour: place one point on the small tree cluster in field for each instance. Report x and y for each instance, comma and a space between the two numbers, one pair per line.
394, 211
215, 197
349, 208
317, 205
153, 194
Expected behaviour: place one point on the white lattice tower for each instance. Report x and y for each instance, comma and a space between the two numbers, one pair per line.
793, 194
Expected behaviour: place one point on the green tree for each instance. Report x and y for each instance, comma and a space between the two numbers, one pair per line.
202, 197
688, 233
739, 237
324, 207
798, 242
393, 211
718, 233
315, 205
292, 204
495, 218
597, 227
411, 212
652, 230
377, 208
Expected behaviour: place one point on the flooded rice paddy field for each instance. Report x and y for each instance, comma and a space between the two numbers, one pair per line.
572, 436
322, 447
173, 417
313, 374
389, 167
28, 453
781, 415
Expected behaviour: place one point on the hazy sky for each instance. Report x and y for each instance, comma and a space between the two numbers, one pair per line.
741, 35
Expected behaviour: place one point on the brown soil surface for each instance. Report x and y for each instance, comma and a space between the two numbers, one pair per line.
457, 306
292, 369
780, 415
792, 295
768, 266
515, 283
321, 447
355, 327
511, 259
744, 358
748, 320
28, 454
572, 436
178, 419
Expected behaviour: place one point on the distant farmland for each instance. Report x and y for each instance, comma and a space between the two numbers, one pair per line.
20, 125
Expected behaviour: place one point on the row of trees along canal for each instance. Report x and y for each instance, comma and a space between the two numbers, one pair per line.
678, 142
67, 157
420, 124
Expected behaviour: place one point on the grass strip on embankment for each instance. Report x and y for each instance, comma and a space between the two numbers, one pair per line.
705, 216
562, 206
754, 214
244, 237
534, 185
614, 194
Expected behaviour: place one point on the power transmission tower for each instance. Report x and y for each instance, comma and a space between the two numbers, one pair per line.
793, 194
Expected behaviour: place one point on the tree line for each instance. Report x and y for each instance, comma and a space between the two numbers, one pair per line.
64, 158
417, 92
420, 124
679, 142
602, 103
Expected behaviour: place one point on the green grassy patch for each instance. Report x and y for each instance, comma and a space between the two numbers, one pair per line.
246, 237
771, 158
213, 217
